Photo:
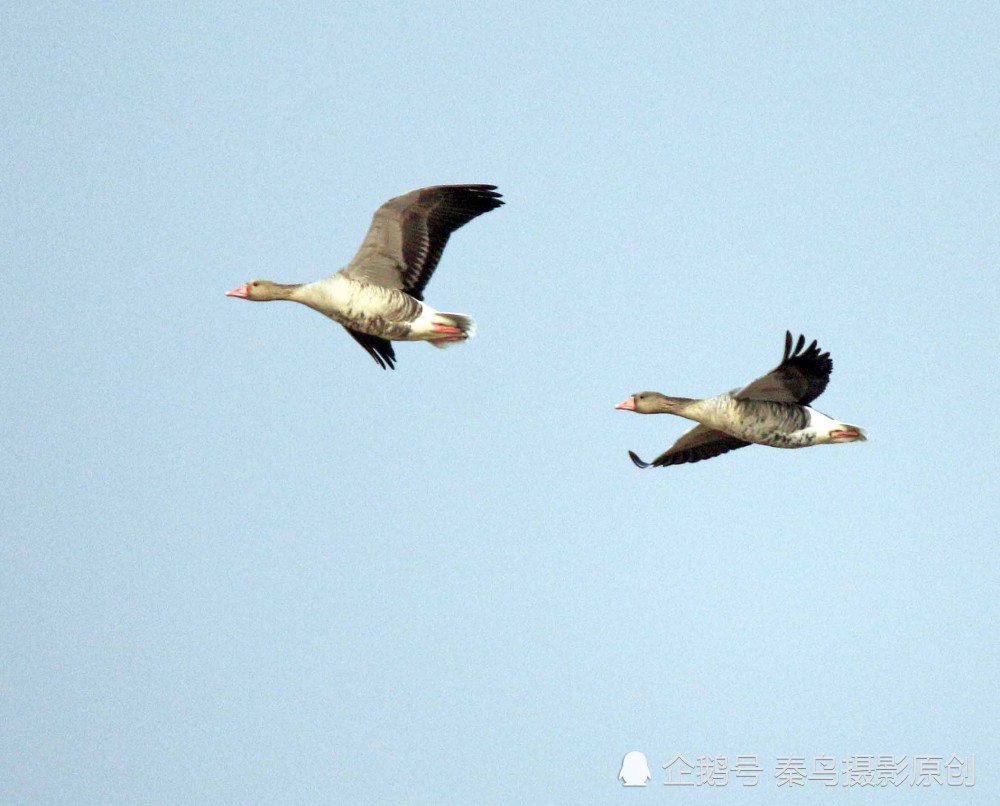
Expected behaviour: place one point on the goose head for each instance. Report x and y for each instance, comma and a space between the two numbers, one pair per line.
261, 290
652, 403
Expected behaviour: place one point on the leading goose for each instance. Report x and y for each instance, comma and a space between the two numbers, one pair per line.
773, 410
379, 295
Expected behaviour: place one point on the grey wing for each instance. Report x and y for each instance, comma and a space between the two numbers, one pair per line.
699, 443
408, 234
800, 378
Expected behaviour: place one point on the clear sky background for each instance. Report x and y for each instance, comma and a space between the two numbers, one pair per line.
242, 564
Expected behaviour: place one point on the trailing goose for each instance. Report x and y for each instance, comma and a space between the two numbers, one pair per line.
378, 296
773, 410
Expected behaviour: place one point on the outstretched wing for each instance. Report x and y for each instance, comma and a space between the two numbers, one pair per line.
408, 234
378, 348
699, 443
800, 378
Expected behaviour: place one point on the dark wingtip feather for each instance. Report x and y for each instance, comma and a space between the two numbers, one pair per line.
637, 461
478, 198
386, 359
378, 348
429, 223
385, 363
484, 197
815, 365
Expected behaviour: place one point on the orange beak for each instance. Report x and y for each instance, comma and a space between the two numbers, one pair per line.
627, 405
242, 291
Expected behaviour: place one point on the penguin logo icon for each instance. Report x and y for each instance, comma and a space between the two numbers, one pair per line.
635, 770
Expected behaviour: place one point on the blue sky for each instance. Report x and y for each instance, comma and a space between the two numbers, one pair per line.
241, 564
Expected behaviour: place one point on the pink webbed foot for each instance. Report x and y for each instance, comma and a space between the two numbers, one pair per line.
447, 329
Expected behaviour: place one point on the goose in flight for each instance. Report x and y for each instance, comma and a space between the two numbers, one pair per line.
378, 296
773, 410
